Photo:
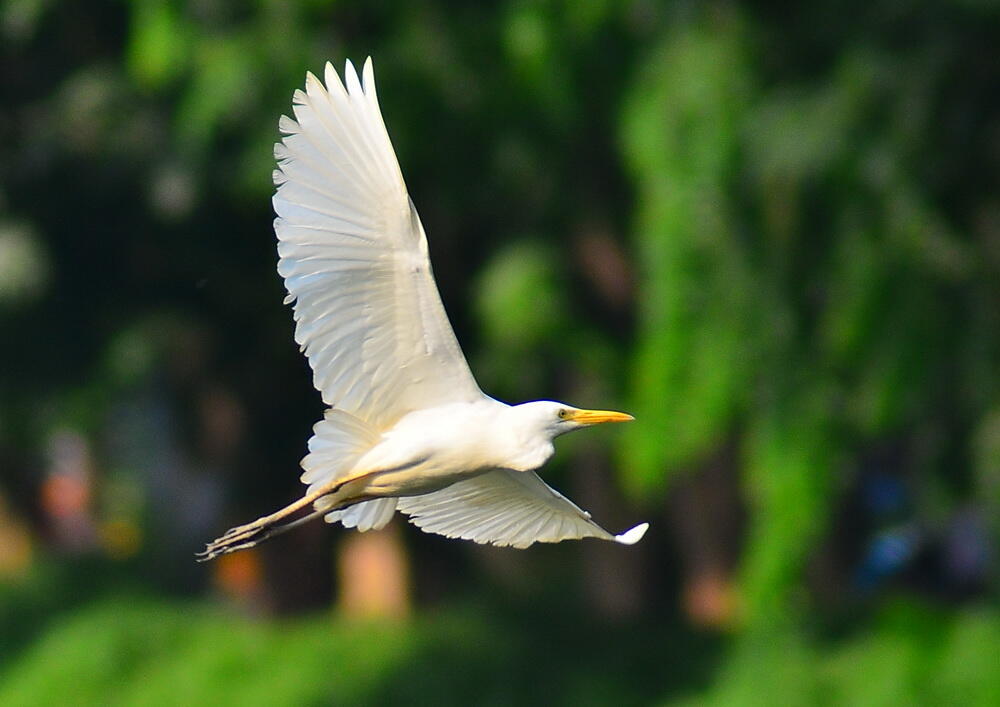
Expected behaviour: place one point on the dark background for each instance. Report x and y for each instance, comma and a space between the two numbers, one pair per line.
771, 232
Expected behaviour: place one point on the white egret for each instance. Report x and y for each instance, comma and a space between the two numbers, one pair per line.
408, 428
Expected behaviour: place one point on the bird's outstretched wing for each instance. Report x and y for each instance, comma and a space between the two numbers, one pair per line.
354, 257
506, 508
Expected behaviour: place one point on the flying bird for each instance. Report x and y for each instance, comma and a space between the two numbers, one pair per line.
408, 428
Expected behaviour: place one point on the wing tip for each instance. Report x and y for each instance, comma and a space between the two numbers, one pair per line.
351, 80
632, 536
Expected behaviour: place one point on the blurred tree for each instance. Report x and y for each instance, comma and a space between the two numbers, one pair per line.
809, 265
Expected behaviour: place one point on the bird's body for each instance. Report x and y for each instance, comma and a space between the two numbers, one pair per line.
429, 449
408, 428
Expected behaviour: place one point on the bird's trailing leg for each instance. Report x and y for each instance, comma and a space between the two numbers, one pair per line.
246, 536
224, 545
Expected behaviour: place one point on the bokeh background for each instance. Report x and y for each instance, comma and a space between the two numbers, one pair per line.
771, 232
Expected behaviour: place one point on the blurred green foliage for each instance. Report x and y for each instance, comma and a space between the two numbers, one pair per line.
694, 351
807, 273
135, 650
130, 647
770, 233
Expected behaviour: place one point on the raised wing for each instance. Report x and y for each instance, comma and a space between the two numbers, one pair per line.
514, 508
354, 257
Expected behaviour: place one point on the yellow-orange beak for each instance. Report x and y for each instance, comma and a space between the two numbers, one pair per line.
596, 417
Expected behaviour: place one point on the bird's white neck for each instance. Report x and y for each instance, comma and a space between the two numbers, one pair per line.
530, 434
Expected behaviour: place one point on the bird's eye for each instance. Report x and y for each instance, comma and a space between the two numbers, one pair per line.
563, 413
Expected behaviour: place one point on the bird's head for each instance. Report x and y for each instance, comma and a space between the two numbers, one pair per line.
559, 418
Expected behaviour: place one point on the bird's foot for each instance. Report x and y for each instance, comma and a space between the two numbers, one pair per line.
246, 536
239, 538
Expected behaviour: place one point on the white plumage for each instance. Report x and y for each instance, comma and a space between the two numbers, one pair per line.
408, 428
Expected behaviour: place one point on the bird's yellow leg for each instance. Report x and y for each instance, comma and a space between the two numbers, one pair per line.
224, 547
245, 536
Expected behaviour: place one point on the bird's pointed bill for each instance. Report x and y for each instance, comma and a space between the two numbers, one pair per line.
596, 417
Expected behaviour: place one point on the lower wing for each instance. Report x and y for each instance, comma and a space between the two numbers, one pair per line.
507, 508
